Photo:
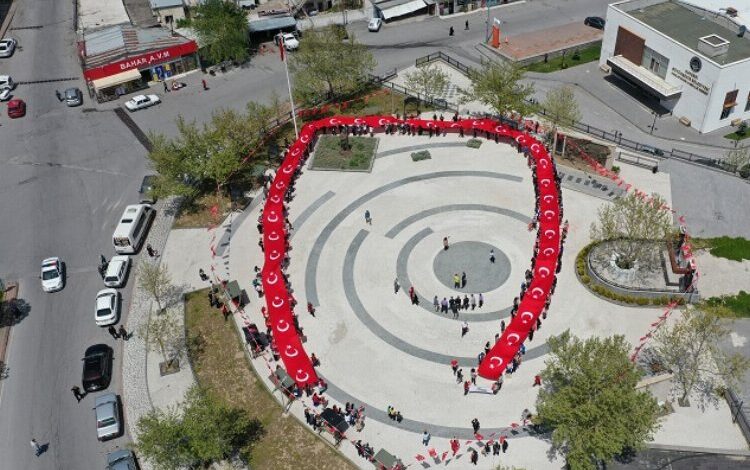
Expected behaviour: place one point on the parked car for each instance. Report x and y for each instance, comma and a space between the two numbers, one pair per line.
375, 24
7, 47
141, 102
107, 310
6, 82
291, 43
107, 413
117, 271
5, 94
594, 22
97, 367
73, 97
123, 459
146, 192
16, 108
53, 275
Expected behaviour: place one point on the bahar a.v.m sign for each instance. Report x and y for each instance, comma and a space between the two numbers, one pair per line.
141, 61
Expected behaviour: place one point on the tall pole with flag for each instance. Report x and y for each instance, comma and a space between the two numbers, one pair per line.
288, 84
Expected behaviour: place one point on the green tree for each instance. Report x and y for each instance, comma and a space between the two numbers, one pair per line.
222, 27
590, 402
163, 334
562, 110
155, 280
632, 224
691, 348
327, 63
739, 157
201, 431
498, 85
428, 80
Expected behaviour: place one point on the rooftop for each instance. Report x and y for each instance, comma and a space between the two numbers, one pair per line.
156, 4
94, 14
686, 26
117, 42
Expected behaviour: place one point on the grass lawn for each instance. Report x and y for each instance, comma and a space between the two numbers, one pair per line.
585, 55
735, 249
222, 367
736, 136
198, 214
738, 304
330, 156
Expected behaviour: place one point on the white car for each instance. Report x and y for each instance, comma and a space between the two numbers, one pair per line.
6, 82
5, 94
117, 271
291, 43
53, 276
107, 307
375, 24
7, 47
142, 102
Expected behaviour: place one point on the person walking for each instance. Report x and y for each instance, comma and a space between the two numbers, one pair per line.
113, 332
486, 348
205, 85
481, 300
475, 425
496, 448
459, 375
311, 309
464, 328
466, 25
368, 218
445, 243
166, 87
396, 286
444, 306
473, 302
502, 326
150, 250
492, 256
456, 281
436, 303
454, 366
537, 380
36, 447
450, 31
59, 96
467, 385
474, 457
425, 438
463, 279
123, 334
466, 302
473, 377
504, 444
77, 393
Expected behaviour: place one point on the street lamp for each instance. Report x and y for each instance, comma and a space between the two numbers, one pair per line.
653, 124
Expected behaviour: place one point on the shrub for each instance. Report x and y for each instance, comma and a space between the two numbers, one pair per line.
474, 143
576, 55
745, 171
641, 301
421, 155
585, 279
615, 169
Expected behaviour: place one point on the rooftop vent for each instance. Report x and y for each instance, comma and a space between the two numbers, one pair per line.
713, 45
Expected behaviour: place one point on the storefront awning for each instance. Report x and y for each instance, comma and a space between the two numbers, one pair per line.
403, 9
643, 78
116, 79
274, 24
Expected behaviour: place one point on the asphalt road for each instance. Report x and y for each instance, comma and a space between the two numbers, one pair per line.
65, 176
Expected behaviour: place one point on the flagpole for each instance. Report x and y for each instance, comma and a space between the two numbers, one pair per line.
289, 86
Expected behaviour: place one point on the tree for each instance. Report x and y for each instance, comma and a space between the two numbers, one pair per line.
201, 431
590, 402
633, 224
222, 27
690, 347
562, 110
498, 85
428, 80
155, 280
739, 157
327, 63
167, 337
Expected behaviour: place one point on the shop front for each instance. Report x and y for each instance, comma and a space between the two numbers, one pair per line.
110, 81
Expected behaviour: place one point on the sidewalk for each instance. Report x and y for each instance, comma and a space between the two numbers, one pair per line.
325, 19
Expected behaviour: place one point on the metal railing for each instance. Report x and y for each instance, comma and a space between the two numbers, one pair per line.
738, 413
611, 136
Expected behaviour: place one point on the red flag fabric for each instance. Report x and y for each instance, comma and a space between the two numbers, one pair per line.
419, 457
445, 454
433, 452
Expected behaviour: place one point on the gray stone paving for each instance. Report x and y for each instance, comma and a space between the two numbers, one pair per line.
350, 290
312, 263
411, 148
472, 256
310, 210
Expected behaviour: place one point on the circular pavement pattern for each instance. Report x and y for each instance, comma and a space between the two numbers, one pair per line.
474, 257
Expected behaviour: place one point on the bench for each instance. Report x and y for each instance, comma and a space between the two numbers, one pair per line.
638, 160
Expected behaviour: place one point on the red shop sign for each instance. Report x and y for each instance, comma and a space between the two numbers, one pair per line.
141, 61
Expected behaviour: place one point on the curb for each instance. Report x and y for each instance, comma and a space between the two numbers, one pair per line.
702, 450
8, 19
11, 291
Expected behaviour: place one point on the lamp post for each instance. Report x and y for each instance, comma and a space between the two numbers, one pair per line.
653, 124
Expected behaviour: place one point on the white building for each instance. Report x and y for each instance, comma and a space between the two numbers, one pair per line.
695, 61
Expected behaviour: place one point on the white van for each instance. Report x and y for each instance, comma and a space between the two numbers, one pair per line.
132, 228
117, 271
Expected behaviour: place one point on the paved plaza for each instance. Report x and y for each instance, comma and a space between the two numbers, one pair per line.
377, 349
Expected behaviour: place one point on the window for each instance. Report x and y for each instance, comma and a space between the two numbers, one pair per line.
730, 101
655, 62
747, 104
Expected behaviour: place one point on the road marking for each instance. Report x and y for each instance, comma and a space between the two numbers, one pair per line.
737, 340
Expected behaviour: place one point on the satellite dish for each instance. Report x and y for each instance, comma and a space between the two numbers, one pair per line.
743, 30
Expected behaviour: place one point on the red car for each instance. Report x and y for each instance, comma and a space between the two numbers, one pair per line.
16, 108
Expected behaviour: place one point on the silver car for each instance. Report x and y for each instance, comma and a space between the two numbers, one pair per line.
73, 97
107, 413
123, 459
7, 47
